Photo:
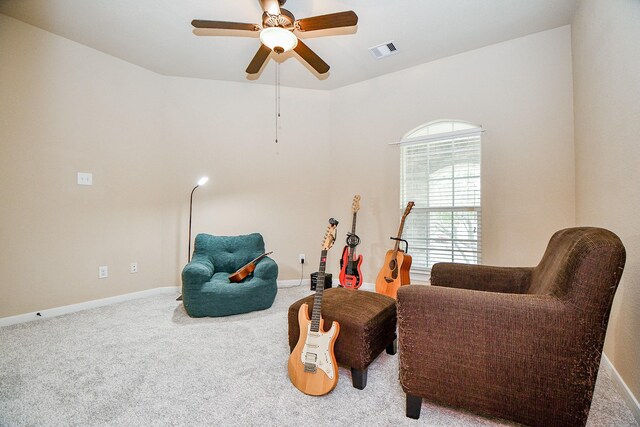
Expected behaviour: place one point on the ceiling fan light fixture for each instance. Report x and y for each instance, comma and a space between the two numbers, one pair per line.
278, 39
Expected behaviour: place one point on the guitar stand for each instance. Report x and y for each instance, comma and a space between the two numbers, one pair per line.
406, 244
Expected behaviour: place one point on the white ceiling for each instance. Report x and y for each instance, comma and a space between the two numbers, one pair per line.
157, 35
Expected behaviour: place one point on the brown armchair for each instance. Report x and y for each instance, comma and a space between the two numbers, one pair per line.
517, 343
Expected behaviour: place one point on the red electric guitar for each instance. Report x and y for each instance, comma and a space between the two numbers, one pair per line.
350, 265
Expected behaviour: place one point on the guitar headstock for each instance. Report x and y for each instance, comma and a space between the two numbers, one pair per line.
407, 210
355, 206
330, 235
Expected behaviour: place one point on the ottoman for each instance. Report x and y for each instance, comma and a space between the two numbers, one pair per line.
367, 326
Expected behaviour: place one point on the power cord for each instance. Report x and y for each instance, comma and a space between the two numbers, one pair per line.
301, 272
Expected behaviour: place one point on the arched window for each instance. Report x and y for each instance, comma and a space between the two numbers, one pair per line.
440, 172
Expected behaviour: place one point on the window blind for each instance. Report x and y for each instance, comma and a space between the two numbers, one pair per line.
442, 176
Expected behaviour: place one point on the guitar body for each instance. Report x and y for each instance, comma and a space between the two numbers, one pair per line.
312, 365
241, 274
393, 274
247, 269
350, 271
395, 270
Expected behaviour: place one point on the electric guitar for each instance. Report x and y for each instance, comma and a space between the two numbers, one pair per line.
350, 266
247, 269
395, 271
312, 364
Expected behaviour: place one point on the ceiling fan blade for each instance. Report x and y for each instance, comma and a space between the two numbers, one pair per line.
222, 25
311, 58
272, 7
332, 20
258, 60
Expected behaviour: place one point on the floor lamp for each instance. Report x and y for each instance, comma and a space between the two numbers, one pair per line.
201, 181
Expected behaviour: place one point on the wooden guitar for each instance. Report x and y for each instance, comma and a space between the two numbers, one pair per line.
312, 364
395, 271
247, 269
351, 267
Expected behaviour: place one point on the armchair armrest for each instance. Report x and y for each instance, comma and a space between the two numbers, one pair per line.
266, 269
198, 271
481, 277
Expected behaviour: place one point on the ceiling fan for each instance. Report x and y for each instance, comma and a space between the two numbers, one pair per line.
277, 32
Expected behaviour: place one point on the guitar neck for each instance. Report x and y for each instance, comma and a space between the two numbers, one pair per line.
397, 245
317, 301
353, 231
261, 256
254, 260
353, 224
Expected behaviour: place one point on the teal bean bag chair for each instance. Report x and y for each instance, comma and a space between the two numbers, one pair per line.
206, 289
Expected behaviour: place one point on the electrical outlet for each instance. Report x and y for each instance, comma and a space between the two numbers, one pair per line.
85, 178
103, 272
302, 258
134, 267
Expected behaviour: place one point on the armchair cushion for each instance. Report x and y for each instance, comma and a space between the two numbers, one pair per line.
206, 289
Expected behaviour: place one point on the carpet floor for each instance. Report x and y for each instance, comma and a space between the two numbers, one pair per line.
146, 362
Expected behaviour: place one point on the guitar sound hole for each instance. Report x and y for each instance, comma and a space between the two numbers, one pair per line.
392, 265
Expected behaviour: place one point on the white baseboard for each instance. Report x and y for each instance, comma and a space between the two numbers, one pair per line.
58, 311
334, 282
622, 387
66, 309
293, 282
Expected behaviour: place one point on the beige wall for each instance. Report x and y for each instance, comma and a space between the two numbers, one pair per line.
606, 64
147, 139
66, 108
520, 91
227, 131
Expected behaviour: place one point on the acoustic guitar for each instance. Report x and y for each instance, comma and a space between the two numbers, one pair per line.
395, 271
247, 269
312, 364
351, 267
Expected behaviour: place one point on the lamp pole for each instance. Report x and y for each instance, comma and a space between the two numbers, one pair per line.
201, 181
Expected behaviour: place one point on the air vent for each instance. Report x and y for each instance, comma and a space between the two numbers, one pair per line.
383, 50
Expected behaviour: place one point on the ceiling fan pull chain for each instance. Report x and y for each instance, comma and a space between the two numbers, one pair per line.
277, 85
278, 72
276, 106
